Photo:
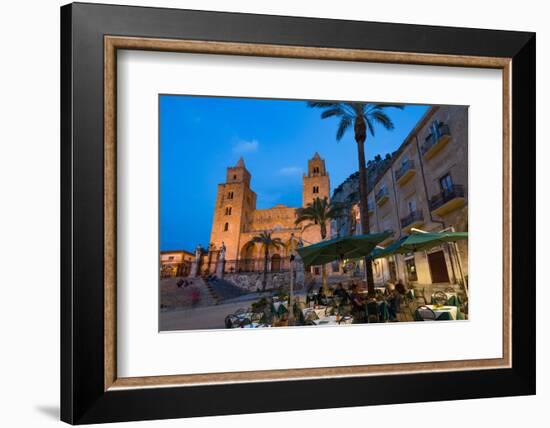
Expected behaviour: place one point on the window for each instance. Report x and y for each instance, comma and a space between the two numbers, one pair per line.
316, 170
234, 177
170, 258
315, 189
230, 195
387, 223
446, 183
227, 210
226, 227
411, 269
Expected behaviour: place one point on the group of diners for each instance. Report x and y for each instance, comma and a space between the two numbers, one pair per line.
364, 307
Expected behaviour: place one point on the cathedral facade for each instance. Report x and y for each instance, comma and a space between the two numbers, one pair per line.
237, 220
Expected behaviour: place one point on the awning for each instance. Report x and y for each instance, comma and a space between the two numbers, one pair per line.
348, 247
419, 242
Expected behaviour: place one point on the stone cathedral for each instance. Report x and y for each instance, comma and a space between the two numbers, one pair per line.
237, 221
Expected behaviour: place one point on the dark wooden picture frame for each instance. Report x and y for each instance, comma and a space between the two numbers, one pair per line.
90, 36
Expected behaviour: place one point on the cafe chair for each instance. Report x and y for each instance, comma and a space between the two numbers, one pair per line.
444, 316
420, 294
423, 313
244, 321
439, 298
231, 321
311, 316
372, 312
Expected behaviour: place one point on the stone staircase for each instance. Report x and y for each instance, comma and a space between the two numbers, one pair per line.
222, 289
174, 297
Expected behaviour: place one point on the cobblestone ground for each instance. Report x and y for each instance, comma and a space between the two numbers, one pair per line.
213, 317
206, 317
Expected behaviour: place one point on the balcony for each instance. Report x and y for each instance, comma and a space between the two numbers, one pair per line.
448, 200
370, 208
382, 196
414, 219
405, 173
436, 141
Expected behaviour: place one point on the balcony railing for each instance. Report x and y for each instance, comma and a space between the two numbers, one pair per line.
413, 217
405, 167
381, 196
440, 134
454, 192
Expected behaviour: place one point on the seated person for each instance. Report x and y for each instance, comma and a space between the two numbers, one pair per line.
310, 296
389, 287
321, 296
394, 301
341, 292
338, 289
357, 305
400, 287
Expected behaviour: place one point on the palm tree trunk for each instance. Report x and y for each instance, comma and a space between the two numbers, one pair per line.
264, 279
323, 267
363, 205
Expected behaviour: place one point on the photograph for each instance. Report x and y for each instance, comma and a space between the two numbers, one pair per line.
308, 213
257, 214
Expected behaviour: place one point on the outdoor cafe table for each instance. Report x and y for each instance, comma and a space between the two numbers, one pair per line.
445, 312
320, 311
332, 320
452, 298
256, 325
383, 310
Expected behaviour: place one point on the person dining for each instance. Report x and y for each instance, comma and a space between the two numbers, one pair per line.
400, 287
358, 310
341, 292
310, 294
393, 300
322, 296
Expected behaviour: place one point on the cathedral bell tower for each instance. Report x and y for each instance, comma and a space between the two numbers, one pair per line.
316, 183
235, 203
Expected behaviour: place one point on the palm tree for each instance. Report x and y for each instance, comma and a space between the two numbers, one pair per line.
319, 213
363, 117
267, 242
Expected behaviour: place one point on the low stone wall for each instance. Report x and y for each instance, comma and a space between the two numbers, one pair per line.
252, 281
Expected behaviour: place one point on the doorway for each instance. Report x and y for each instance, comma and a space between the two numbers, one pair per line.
438, 267
393, 270
275, 263
410, 265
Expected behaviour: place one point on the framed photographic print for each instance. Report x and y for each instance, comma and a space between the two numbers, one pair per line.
255, 207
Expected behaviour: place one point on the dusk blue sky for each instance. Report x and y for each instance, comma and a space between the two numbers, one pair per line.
201, 136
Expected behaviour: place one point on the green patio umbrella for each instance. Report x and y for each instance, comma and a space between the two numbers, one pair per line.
418, 242
348, 247
393, 248
425, 241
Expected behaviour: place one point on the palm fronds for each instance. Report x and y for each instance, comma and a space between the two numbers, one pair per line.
319, 212
351, 112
